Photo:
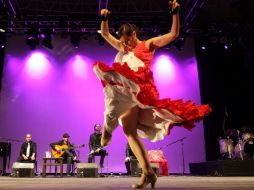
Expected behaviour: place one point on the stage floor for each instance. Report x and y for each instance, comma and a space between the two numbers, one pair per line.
171, 183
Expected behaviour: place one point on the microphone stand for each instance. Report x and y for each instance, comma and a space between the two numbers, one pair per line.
182, 147
9, 151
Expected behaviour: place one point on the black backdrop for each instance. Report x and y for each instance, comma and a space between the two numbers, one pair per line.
227, 84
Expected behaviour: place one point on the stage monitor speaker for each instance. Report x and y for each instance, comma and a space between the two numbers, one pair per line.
223, 168
87, 170
155, 167
134, 167
22, 169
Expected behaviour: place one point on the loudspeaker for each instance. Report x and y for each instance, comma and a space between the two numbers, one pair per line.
223, 168
87, 170
134, 167
155, 167
22, 169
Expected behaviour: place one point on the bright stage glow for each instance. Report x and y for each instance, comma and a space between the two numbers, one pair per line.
164, 69
79, 66
37, 65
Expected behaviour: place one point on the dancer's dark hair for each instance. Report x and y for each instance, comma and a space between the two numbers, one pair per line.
127, 29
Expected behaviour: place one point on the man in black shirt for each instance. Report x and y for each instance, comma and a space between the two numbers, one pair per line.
95, 146
129, 156
69, 155
28, 151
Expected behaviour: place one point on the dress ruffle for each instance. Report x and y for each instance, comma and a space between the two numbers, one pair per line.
148, 95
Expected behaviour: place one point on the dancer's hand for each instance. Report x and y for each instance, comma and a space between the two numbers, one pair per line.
173, 4
105, 12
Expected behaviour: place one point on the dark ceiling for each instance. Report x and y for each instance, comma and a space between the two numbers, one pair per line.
197, 16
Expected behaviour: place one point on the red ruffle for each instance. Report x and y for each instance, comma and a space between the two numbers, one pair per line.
149, 95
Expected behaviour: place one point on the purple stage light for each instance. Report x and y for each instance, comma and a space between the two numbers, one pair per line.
42, 36
37, 65
203, 47
225, 46
79, 66
164, 69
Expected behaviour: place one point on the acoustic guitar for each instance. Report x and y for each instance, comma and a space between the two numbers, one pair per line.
62, 148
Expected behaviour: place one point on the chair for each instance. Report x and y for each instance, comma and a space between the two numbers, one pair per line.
73, 165
106, 157
157, 156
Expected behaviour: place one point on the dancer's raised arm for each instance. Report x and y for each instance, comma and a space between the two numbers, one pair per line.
106, 34
165, 39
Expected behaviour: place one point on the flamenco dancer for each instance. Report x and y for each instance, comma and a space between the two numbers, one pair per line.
131, 97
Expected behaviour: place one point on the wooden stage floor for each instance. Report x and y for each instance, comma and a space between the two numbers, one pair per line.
123, 182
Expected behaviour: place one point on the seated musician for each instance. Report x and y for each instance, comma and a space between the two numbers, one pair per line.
28, 150
95, 146
63, 148
129, 156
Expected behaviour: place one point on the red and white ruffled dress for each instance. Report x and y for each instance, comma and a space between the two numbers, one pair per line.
129, 82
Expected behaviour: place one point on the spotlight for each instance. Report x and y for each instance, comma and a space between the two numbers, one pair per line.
3, 25
75, 39
46, 39
203, 44
179, 43
227, 46
3, 18
32, 39
2, 41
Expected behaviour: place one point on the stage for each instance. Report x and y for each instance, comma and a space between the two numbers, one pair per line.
73, 71
123, 182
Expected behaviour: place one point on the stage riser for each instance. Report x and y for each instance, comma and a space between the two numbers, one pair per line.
155, 167
23, 169
223, 168
87, 170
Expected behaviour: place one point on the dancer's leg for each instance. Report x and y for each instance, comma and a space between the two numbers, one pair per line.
129, 122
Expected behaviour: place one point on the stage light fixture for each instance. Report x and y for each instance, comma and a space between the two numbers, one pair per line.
32, 38
47, 39
3, 25
179, 43
2, 40
75, 39
32, 41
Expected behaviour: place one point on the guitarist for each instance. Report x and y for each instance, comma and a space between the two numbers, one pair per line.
69, 156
